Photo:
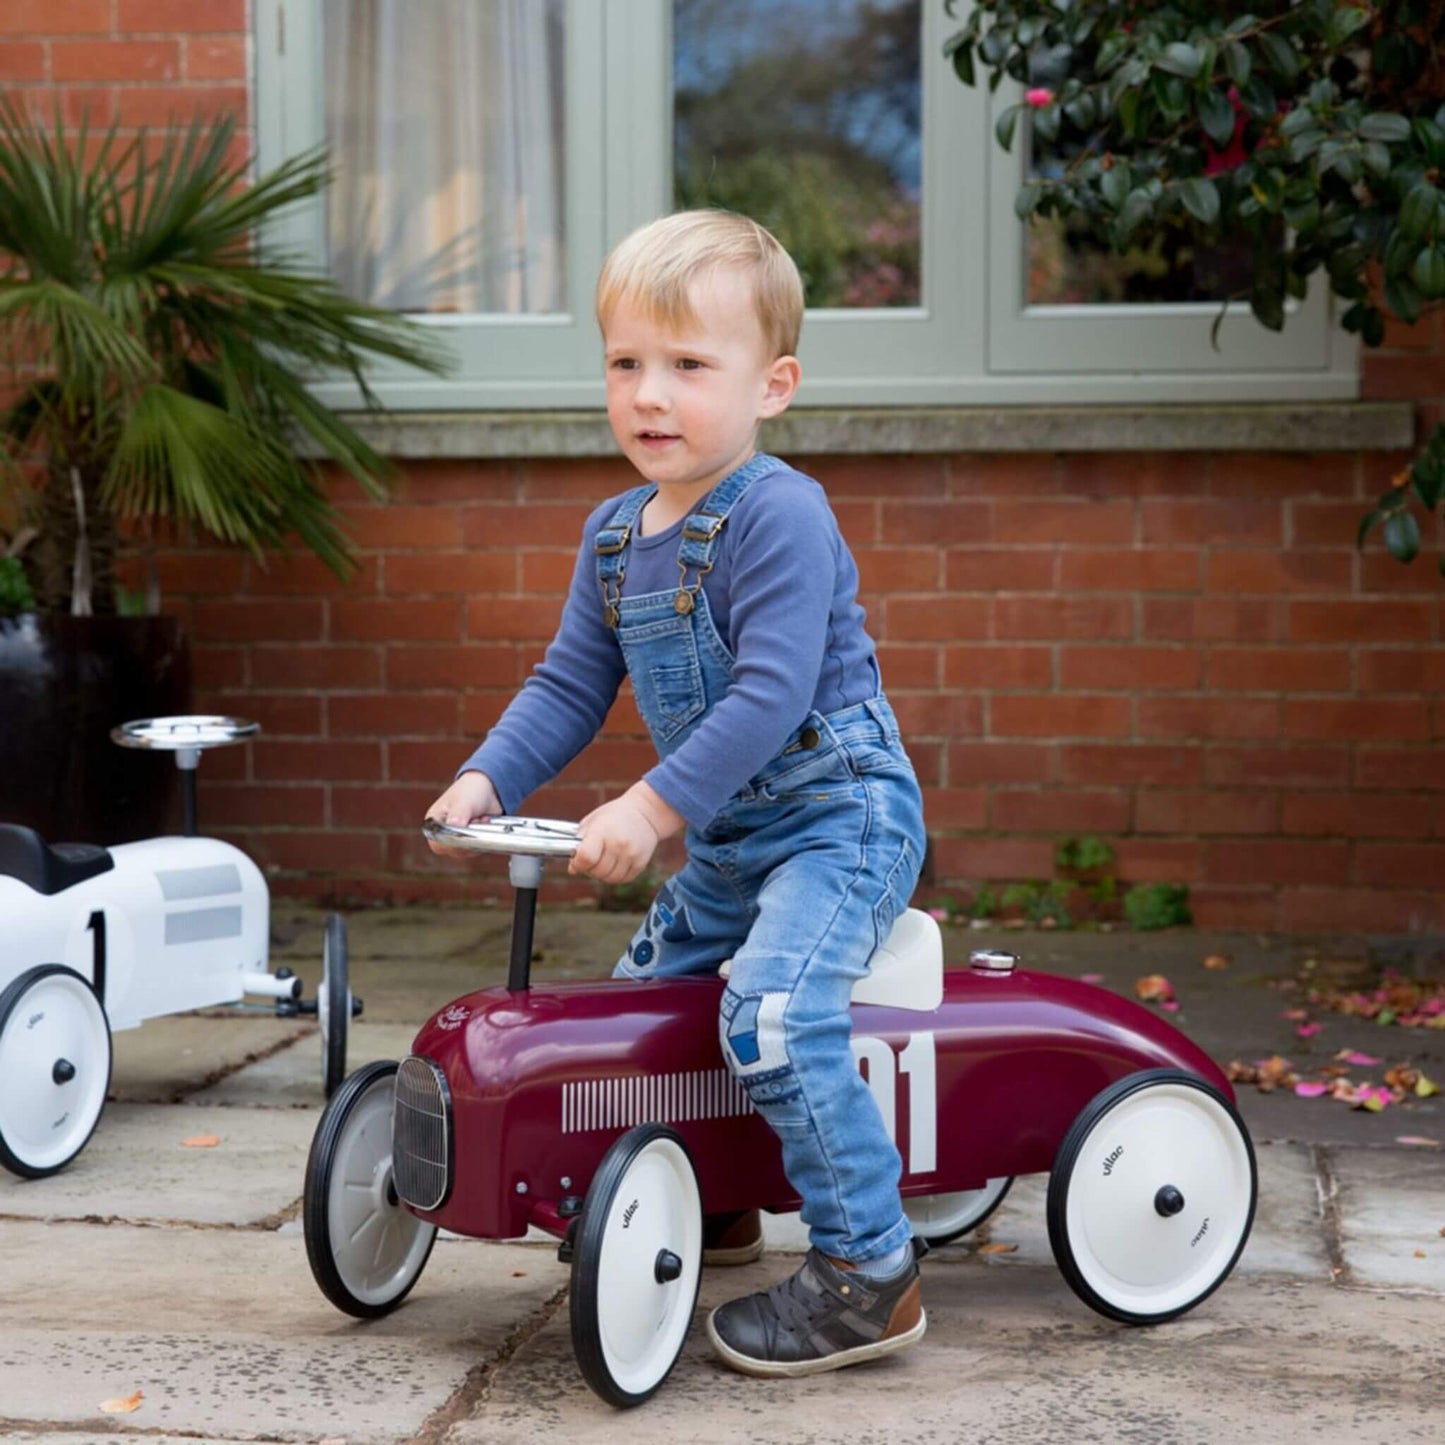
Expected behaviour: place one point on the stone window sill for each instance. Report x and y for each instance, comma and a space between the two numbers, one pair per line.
1293, 426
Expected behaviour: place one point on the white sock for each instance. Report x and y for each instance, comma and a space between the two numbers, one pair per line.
887, 1265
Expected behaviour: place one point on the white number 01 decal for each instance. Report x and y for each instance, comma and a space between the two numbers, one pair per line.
880, 1069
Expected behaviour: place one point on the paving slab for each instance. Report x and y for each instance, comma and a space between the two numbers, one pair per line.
136, 1168
1391, 1206
291, 1077
247, 1345
168, 1058
1012, 1358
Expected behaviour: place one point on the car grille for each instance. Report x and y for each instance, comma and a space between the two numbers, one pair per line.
421, 1134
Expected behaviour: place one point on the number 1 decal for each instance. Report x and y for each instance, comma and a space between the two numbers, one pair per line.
917, 1060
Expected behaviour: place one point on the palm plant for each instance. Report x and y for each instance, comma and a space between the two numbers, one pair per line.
155, 349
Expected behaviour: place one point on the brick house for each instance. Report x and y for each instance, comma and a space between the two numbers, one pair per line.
1112, 574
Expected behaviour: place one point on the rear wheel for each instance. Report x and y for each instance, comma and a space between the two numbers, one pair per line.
941, 1218
54, 1069
365, 1248
333, 1004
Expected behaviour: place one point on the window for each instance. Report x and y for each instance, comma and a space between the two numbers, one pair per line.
489, 151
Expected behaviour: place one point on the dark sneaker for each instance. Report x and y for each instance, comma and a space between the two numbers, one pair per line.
732, 1238
823, 1317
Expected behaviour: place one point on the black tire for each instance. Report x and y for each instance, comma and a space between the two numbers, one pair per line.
936, 1239
54, 1097
1143, 1195
349, 1134
594, 1264
334, 1004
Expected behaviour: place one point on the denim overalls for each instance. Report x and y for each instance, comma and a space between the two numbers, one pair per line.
798, 878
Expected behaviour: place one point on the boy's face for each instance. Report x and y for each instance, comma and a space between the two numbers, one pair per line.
685, 405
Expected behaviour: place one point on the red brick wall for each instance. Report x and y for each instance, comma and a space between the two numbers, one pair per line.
1183, 654
129, 62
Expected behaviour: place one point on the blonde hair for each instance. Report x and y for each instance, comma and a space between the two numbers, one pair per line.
655, 266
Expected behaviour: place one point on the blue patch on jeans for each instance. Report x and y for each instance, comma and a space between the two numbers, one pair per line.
743, 1033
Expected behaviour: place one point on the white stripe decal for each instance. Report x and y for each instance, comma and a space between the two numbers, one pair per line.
620, 1103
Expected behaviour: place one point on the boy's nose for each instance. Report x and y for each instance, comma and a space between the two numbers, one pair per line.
651, 394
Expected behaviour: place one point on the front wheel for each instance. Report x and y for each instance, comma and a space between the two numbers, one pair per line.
366, 1251
55, 1060
939, 1219
637, 1265
1152, 1196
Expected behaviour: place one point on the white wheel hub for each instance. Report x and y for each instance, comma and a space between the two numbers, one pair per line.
54, 1068
1159, 1199
653, 1228
377, 1245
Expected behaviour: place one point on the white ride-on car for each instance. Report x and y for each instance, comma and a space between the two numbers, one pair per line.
94, 940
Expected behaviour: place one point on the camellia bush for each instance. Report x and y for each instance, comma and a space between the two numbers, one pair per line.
1312, 133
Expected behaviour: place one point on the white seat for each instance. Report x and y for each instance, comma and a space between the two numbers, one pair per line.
906, 969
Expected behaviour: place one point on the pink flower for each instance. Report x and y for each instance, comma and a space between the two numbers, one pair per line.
1311, 1091
1307, 1031
939, 915
1038, 97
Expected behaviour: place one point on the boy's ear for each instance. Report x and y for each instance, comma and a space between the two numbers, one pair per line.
783, 378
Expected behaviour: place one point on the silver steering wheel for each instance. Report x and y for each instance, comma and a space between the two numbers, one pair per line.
513, 837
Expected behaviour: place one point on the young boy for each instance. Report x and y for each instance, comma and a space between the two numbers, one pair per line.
723, 589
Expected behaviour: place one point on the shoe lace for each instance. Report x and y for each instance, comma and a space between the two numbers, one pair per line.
796, 1306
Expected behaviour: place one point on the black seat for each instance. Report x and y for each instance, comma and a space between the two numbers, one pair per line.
25, 855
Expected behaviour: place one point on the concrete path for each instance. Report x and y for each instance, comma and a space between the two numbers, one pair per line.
179, 1271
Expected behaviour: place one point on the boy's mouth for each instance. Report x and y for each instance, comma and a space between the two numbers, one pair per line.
656, 438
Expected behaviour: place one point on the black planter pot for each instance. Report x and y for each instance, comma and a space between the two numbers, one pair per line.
64, 683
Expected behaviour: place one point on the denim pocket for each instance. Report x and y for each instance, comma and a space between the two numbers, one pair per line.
666, 675
821, 776
898, 888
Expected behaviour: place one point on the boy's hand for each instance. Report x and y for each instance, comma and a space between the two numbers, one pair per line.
620, 837
471, 799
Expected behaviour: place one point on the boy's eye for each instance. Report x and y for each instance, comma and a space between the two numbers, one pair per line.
624, 363
690, 363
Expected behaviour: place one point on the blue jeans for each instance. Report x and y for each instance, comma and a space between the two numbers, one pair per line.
799, 878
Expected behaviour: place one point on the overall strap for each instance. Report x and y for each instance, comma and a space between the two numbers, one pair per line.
610, 547
702, 531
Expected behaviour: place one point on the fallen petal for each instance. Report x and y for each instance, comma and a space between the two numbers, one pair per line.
201, 1141
1295, 1013
1311, 1091
1154, 988
1217, 960
1425, 1087
121, 1405
1419, 1141
1308, 1031
1420, 1254
1091, 978
1169, 1005
1354, 1056
997, 1248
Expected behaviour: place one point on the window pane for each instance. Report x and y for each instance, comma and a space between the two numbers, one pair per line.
1072, 262
445, 127
807, 117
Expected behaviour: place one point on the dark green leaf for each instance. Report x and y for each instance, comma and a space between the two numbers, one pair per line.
1304, 216
1377, 158
1258, 98
1343, 21
1181, 59
1026, 202
1115, 184
1301, 118
1082, 111
1280, 53
1367, 523
1267, 303
1431, 138
1418, 211
1304, 144
962, 59
1385, 126
1428, 479
1110, 51
1216, 115
1237, 61
1171, 93
1201, 199
1137, 208
1402, 298
1005, 126
1372, 333
1429, 272
1402, 536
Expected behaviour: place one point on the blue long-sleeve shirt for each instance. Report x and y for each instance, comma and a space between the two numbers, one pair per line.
783, 595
